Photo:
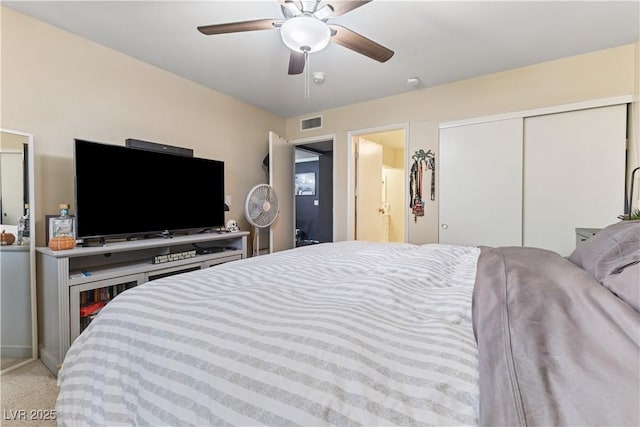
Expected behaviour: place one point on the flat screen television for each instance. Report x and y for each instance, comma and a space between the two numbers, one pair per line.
124, 192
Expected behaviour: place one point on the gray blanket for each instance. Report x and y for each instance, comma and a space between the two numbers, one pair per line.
555, 346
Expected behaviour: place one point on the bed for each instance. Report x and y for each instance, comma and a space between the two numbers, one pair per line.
358, 333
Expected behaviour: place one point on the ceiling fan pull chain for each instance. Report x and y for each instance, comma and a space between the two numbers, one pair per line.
306, 75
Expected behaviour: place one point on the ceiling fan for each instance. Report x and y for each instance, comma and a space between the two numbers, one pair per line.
305, 30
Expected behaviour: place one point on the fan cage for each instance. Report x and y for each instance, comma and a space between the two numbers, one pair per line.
261, 207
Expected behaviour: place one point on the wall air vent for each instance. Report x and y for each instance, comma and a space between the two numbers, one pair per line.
311, 123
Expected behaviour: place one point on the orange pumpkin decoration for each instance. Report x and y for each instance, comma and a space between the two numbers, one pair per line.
61, 243
7, 238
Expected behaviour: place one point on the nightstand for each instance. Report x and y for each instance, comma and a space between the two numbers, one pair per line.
583, 234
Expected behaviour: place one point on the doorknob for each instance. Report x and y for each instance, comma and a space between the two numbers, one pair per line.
444, 226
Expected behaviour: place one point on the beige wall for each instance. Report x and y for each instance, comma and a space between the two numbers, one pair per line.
58, 87
601, 74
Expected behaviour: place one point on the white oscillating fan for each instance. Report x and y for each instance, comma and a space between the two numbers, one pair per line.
261, 209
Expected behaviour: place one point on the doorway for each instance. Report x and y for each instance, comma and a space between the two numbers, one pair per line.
281, 168
377, 191
313, 183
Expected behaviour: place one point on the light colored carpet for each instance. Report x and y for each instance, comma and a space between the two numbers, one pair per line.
28, 394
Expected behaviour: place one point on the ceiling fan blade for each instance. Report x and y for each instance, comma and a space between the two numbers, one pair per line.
237, 27
359, 43
324, 12
342, 7
296, 62
291, 8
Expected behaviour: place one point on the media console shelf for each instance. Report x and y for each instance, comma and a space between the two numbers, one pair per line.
73, 284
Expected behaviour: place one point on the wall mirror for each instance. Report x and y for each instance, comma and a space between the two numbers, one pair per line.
18, 334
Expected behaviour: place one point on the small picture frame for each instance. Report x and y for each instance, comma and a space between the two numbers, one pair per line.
49, 227
305, 184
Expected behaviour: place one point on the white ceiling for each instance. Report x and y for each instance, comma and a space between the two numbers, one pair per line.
436, 41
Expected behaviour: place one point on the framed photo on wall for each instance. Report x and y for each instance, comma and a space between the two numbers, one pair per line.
306, 184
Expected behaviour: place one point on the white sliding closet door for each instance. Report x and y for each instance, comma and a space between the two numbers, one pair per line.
573, 174
481, 184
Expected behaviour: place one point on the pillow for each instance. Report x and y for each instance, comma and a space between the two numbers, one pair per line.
610, 250
626, 285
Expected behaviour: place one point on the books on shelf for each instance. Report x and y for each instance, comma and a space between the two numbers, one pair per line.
92, 308
93, 300
106, 293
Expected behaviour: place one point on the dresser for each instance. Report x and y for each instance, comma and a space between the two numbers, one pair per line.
15, 288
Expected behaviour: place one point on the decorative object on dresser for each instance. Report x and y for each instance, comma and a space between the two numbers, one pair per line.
7, 238
232, 226
48, 227
62, 230
24, 228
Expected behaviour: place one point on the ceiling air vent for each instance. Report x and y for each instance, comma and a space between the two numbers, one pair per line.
311, 123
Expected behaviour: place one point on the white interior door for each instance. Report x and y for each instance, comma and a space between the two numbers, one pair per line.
369, 191
574, 174
481, 184
281, 178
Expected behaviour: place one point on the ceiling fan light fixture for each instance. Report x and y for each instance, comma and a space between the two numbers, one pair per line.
305, 34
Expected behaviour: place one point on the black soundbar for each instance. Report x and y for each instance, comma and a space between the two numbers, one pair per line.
161, 148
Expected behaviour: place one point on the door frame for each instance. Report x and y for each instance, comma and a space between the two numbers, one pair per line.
351, 170
311, 140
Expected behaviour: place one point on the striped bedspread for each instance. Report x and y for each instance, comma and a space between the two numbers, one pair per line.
349, 333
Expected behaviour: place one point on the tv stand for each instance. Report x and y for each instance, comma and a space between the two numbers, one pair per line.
163, 235
70, 280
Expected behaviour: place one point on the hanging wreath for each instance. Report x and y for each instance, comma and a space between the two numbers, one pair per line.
421, 161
